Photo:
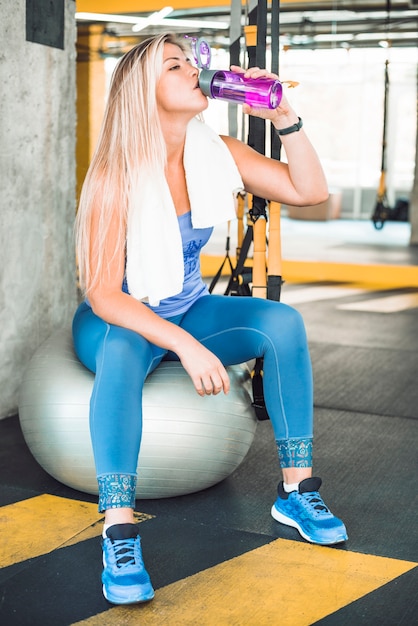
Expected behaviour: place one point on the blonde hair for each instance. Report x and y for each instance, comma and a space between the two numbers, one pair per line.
130, 138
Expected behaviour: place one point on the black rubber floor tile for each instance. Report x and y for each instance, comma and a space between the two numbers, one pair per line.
20, 470
379, 381
327, 324
370, 468
57, 589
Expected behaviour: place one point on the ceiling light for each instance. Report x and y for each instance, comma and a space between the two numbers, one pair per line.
155, 18
301, 39
169, 22
389, 36
105, 17
330, 37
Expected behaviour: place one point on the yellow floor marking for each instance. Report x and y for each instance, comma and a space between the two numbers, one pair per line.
388, 304
314, 271
383, 275
285, 582
41, 525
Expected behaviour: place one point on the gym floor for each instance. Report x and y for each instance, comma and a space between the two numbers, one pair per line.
217, 557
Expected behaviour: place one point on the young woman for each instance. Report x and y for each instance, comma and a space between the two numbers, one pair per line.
157, 184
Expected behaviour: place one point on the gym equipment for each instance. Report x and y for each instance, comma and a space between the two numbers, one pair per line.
265, 275
382, 210
189, 443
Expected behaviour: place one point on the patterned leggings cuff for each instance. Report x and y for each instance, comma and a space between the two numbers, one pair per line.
295, 452
116, 491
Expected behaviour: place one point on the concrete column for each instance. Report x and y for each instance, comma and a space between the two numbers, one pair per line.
37, 181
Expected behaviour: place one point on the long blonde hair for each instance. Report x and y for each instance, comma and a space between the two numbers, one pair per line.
130, 138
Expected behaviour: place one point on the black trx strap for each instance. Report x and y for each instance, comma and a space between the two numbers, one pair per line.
258, 391
241, 275
257, 17
226, 259
274, 283
275, 142
234, 59
382, 210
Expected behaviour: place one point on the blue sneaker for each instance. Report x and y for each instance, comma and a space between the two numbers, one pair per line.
305, 510
125, 579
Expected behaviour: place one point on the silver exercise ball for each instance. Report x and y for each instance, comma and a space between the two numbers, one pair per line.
189, 443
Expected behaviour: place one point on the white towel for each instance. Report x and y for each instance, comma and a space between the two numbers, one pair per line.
154, 266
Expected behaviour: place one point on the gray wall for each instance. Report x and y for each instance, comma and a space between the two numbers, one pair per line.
37, 183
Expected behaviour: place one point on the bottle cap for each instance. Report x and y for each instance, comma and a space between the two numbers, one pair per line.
205, 81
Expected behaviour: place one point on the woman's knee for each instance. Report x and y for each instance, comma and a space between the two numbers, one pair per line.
294, 321
282, 318
125, 349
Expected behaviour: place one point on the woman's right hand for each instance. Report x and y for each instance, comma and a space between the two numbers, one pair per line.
208, 374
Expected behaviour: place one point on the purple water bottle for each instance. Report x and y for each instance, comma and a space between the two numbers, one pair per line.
258, 93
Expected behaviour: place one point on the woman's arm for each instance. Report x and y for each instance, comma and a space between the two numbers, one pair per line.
300, 181
109, 302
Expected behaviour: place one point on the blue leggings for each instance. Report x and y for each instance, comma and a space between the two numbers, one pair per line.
236, 329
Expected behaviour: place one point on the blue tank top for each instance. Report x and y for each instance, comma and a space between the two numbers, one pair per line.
193, 240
